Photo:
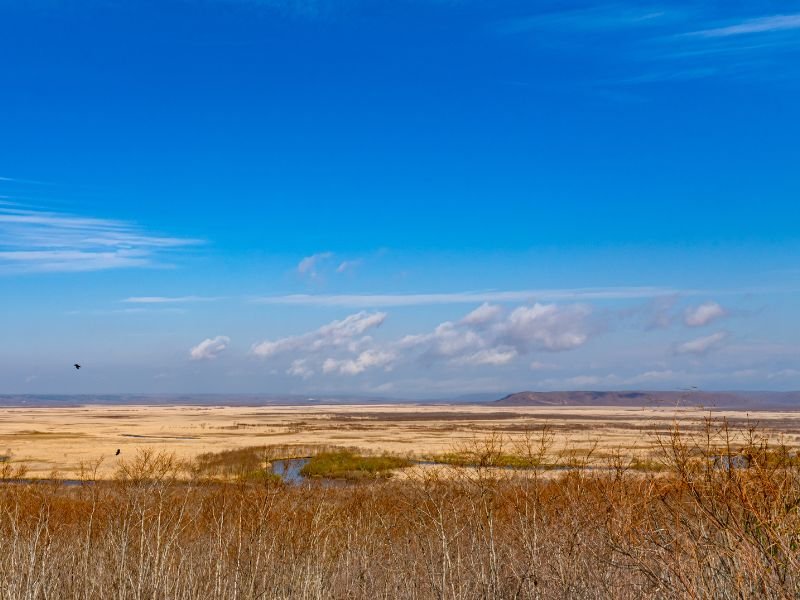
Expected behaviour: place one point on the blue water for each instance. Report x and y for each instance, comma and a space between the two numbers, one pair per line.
289, 469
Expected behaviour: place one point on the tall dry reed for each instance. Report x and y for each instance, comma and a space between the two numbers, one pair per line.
702, 527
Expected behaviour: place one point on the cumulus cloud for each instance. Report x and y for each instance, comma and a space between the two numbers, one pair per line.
446, 340
697, 316
308, 265
547, 327
487, 336
345, 332
491, 356
702, 345
485, 313
210, 348
300, 368
366, 360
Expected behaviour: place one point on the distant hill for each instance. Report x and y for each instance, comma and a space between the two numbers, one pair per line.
737, 400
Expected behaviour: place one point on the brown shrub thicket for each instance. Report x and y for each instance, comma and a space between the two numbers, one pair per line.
698, 528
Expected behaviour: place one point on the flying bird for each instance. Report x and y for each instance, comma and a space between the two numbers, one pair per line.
77, 366
118, 451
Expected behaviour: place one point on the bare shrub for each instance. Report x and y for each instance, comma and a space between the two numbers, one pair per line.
697, 528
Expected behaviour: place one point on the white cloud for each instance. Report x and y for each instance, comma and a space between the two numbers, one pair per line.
492, 356
333, 335
386, 300
300, 368
447, 340
485, 313
366, 360
703, 314
41, 241
486, 337
31, 181
168, 299
548, 326
72, 260
351, 326
308, 265
703, 344
210, 348
348, 265
750, 26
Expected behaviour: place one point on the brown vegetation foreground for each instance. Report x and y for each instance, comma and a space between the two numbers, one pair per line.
694, 530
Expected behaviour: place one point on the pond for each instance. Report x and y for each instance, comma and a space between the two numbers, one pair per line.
289, 469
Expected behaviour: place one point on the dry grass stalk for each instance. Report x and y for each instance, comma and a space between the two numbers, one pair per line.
698, 528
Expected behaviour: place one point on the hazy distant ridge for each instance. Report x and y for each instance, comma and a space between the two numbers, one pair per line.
738, 400
64, 400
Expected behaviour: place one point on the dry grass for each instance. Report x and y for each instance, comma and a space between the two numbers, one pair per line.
252, 461
71, 436
345, 464
157, 530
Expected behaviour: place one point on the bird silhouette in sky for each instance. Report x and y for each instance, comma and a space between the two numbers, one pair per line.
77, 366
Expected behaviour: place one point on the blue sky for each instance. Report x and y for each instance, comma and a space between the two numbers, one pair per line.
408, 198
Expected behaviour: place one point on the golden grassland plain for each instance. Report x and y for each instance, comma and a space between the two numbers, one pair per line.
702, 525
58, 440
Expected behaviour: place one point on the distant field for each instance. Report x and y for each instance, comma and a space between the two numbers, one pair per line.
48, 439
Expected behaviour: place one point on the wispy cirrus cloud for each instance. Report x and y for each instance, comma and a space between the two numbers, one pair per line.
169, 299
659, 43
26, 181
767, 24
615, 17
611, 17
33, 240
385, 300
702, 345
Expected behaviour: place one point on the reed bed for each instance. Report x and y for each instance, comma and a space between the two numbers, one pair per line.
699, 527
